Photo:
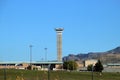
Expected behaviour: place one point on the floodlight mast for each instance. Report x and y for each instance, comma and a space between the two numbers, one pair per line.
31, 56
45, 54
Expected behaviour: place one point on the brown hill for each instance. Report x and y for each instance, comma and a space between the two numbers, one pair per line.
111, 56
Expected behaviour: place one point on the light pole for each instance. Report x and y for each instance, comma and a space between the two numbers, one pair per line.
45, 54
31, 56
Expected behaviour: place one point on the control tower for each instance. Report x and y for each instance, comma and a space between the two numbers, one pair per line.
59, 43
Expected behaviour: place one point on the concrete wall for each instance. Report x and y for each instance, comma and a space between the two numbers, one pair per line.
111, 70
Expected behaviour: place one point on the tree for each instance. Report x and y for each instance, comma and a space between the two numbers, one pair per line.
65, 65
70, 65
98, 66
89, 68
29, 67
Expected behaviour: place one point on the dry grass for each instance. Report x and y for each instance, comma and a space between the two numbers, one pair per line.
55, 75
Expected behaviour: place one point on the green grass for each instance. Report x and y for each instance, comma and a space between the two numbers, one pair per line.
55, 75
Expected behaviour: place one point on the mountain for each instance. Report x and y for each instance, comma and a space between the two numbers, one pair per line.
110, 56
115, 51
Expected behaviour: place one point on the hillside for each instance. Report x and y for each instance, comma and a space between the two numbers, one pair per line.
110, 56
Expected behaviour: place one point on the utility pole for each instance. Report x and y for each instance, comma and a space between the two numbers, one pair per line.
49, 71
92, 71
5, 74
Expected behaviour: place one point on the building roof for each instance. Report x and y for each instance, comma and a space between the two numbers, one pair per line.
34, 62
113, 64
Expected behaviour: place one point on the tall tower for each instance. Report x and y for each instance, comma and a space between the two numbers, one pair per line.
59, 43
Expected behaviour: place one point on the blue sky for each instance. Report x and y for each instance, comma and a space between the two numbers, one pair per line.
89, 26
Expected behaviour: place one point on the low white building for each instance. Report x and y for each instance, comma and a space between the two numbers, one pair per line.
35, 65
90, 61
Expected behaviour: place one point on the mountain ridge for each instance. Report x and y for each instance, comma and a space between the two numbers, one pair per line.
110, 56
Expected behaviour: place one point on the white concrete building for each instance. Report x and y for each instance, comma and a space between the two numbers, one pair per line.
90, 61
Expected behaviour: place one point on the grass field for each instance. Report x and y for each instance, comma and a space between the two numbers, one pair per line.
55, 75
